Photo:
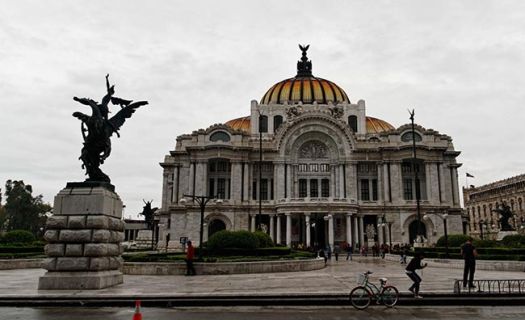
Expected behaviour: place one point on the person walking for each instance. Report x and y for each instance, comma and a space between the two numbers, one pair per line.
337, 250
349, 251
190, 253
410, 270
469, 254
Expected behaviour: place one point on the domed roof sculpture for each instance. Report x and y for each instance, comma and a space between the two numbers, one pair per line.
304, 87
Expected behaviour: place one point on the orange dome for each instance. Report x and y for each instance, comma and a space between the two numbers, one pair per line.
305, 90
304, 87
373, 125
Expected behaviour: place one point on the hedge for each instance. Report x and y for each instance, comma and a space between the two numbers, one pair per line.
241, 239
17, 249
18, 236
515, 240
454, 240
265, 241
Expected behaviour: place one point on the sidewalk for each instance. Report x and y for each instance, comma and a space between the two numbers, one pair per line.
336, 280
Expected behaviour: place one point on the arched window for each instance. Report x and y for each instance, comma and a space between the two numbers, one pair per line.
407, 137
277, 121
220, 136
263, 124
352, 122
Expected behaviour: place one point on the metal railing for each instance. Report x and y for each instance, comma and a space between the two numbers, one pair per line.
491, 286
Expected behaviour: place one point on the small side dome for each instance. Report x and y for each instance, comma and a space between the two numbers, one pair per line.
242, 124
374, 125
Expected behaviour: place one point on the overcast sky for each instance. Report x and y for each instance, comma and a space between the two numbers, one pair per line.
460, 64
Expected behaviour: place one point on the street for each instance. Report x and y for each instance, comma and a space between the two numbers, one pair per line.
260, 313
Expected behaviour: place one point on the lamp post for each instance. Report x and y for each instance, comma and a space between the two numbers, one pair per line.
416, 178
258, 224
202, 201
313, 225
443, 217
481, 224
383, 224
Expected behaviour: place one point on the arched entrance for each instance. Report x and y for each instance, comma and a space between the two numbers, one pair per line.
412, 230
215, 226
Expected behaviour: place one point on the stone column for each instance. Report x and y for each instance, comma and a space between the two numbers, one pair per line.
252, 224
84, 238
333, 184
191, 187
341, 179
331, 231
380, 234
351, 181
288, 229
236, 178
246, 184
272, 229
278, 233
356, 231
386, 194
361, 231
307, 219
348, 228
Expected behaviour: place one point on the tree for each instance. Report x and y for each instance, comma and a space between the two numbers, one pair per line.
2, 213
22, 210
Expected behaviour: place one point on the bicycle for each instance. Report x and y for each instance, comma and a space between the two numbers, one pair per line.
362, 295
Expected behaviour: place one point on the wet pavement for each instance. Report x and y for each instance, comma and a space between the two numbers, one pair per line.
339, 277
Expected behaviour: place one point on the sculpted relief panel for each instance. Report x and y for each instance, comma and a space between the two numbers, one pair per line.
313, 150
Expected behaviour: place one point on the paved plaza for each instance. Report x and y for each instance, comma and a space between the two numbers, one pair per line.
337, 278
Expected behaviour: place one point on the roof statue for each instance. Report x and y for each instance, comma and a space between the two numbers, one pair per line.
97, 130
304, 67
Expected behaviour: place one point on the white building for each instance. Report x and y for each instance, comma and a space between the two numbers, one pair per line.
330, 173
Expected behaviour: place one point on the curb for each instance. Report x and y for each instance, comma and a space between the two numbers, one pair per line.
270, 300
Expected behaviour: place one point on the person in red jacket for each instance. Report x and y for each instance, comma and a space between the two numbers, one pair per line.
190, 253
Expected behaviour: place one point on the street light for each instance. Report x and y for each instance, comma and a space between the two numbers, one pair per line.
443, 217
383, 224
481, 224
202, 201
415, 168
313, 225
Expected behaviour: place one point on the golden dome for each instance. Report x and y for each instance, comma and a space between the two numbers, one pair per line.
242, 124
304, 87
305, 90
373, 125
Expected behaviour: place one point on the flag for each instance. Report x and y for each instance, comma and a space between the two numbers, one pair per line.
469, 175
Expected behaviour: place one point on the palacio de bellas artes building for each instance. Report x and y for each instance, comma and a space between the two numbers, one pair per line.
329, 173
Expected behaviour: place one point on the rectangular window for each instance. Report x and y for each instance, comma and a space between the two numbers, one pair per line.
254, 190
314, 167
221, 188
324, 168
325, 188
271, 189
303, 168
365, 190
211, 189
407, 189
374, 189
314, 190
302, 188
264, 189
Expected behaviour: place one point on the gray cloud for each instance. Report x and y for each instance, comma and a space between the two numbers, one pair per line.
200, 63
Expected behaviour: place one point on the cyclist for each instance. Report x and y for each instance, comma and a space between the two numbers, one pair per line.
411, 268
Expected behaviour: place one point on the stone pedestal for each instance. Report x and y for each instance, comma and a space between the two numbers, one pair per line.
502, 234
84, 238
144, 239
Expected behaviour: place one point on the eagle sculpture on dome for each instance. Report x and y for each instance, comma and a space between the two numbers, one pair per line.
97, 130
304, 67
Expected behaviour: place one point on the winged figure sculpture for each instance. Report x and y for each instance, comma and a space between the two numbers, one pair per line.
97, 130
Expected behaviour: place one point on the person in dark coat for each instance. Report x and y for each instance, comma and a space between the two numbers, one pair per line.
469, 254
411, 268
190, 254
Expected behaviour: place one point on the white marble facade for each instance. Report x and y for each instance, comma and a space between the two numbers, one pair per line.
330, 173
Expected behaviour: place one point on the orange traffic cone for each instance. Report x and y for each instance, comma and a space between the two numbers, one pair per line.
137, 315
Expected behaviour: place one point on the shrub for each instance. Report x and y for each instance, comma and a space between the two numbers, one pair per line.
241, 239
18, 236
513, 241
454, 240
265, 241
478, 243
